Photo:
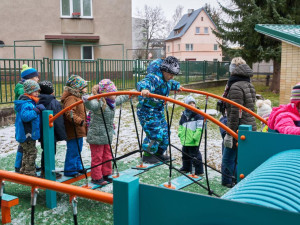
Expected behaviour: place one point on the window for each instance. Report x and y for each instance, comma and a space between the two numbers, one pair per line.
87, 52
189, 47
205, 30
76, 8
201, 18
197, 30
168, 48
178, 47
215, 47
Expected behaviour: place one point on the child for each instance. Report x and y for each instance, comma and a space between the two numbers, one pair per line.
286, 118
27, 73
150, 111
48, 99
189, 132
74, 89
28, 125
97, 134
264, 109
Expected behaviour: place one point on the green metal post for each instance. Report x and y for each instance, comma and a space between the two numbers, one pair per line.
204, 70
48, 136
218, 70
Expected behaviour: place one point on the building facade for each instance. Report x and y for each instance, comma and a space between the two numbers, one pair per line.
289, 35
192, 38
89, 29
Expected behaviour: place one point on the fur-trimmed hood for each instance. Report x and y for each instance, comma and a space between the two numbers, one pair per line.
70, 91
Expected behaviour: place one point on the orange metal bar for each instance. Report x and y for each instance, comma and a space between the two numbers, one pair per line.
228, 130
55, 186
227, 100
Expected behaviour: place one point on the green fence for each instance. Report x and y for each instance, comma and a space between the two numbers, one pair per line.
124, 73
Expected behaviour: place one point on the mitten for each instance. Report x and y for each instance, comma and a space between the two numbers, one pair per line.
228, 141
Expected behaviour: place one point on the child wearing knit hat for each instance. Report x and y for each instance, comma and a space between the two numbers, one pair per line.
28, 125
27, 73
286, 118
48, 99
189, 132
97, 137
264, 108
75, 123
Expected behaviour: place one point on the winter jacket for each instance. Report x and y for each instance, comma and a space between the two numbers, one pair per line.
69, 97
284, 119
96, 132
50, 103
243, 93
27, 122
19, 90
190, 128
155, 83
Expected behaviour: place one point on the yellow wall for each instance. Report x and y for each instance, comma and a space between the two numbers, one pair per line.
290, 71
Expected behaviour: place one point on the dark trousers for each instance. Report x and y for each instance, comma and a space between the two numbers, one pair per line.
196, 160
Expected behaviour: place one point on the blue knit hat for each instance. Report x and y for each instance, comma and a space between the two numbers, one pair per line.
28, 72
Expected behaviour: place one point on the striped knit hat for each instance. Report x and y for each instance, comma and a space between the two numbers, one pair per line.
295, 97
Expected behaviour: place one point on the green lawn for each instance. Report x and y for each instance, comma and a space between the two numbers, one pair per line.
92, 212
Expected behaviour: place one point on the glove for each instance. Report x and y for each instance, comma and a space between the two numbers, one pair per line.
85, 98
39, 108
228, 141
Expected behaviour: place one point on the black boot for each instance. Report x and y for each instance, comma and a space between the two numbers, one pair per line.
186, 166
149, 158
160, 154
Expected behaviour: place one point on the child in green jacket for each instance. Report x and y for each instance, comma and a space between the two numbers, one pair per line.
189, 132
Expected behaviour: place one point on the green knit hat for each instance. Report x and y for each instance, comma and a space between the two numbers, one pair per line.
31, 86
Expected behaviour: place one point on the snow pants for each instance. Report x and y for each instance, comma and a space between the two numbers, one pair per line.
155, 127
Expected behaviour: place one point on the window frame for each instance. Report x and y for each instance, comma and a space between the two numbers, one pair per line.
178, 46
81, 52
190, 47
206, 28
215, 47
196, 30
81, 10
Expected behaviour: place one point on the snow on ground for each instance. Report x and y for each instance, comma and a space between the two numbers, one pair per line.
127, 141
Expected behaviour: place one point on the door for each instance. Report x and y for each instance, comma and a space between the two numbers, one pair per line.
60, 67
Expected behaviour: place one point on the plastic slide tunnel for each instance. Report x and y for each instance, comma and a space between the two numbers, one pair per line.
275, 183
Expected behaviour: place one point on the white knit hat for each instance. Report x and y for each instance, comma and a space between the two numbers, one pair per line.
189, 99
263, 107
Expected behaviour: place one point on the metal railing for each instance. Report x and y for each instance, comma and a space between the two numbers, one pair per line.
124, 73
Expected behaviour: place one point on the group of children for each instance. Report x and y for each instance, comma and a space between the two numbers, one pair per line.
32, 98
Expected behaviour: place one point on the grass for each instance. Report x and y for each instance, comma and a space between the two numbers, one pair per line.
92, 212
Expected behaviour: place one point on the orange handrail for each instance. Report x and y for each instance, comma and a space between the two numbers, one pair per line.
206, 116
227, 100
56, 186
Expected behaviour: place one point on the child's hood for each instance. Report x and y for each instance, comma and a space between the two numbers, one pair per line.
154, 67
22, 100
45, 99
69, 92
289, 108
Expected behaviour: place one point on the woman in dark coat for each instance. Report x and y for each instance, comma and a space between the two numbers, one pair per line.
240, 90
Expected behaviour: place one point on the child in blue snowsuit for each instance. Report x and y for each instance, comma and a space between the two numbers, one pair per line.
150, 111
28, 125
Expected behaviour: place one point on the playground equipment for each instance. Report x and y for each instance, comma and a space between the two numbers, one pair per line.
136, 203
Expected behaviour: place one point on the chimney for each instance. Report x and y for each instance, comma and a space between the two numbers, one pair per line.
190, 11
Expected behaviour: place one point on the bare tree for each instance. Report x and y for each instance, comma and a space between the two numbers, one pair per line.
175, 19
153, 24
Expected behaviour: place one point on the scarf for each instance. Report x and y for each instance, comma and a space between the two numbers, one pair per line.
110, 103
233, 79
35, 99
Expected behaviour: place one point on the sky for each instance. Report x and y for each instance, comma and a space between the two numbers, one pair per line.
169, 6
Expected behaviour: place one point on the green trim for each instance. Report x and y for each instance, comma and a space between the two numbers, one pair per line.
285, 33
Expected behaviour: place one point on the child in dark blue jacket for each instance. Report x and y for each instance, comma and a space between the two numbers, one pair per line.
150, 111
28, 125
48, 99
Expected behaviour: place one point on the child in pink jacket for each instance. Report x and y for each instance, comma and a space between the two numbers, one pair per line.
286, 118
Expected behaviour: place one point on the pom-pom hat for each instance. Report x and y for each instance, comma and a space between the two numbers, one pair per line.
295, 95
28, 72
106, 86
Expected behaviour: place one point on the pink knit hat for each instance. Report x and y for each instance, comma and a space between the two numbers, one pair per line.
295, 96
106, 85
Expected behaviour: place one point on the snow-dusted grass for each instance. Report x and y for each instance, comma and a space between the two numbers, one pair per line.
91, 212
